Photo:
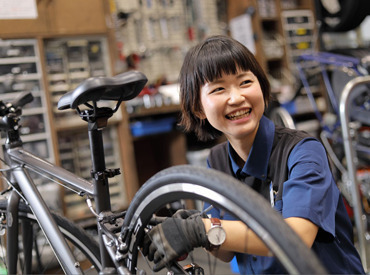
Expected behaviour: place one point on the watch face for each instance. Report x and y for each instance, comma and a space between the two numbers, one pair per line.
216, 235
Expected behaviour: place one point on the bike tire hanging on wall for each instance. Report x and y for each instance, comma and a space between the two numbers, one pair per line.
341, 15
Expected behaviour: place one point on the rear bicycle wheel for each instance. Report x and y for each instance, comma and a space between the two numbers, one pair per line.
83, 246
193, 186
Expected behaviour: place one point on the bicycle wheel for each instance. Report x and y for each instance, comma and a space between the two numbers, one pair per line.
83, 246
281, 117
187, 183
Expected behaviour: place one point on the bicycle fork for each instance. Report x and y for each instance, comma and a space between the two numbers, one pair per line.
12, 234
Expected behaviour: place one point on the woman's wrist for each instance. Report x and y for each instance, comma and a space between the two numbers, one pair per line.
207, 224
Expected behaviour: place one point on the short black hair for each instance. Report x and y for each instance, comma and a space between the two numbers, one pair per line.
206, 62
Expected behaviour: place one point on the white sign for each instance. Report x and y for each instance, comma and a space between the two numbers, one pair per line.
18, 9
241, 29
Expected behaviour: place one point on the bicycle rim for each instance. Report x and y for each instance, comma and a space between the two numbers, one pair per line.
83, 246
185, 183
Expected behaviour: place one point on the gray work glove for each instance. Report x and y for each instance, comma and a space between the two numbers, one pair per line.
186, 213
173, 238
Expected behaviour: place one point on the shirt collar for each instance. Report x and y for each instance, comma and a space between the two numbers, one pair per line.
257, 162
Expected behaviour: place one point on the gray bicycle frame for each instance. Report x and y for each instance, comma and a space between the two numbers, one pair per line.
21, 160
352, 161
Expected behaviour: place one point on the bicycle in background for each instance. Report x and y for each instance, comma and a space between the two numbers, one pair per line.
344, 126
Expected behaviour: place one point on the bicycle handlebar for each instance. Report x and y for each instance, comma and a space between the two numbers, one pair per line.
22, 100
16, 104
10, 110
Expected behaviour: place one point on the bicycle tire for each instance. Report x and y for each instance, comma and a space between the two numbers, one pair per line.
349, 16
75, 236
189, 182
280, 116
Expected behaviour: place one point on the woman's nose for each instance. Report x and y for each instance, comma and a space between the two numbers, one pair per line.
235, 96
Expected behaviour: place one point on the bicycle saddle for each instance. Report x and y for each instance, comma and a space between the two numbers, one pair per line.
121, 87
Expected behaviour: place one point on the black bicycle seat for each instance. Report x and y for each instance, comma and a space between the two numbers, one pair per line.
121, 87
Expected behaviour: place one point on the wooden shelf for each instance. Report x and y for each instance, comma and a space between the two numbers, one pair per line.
143, 112
59, 17
66, 20
268, 18
268, 24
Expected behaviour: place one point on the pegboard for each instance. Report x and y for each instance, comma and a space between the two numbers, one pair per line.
154, 35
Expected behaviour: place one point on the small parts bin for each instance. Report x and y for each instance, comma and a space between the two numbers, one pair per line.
151, 127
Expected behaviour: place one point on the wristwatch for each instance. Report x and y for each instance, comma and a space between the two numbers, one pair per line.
216, 234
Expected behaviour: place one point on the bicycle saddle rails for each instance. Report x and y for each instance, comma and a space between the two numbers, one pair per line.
121, 87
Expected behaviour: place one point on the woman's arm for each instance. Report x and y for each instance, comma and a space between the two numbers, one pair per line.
240, 239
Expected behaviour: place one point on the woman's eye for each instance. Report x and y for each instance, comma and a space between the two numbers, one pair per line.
246, 82
219, 89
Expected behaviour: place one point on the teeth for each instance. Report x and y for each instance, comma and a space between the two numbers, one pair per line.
239, 114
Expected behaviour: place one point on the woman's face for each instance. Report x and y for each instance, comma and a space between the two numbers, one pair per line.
234, 104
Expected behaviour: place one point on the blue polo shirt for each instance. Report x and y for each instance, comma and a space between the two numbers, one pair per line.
310, 193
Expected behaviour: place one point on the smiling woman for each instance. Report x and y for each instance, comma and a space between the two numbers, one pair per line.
223, 90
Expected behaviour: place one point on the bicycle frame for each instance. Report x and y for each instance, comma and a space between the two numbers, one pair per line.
40, 210
320, 60
360, 218
20, 162
341, 108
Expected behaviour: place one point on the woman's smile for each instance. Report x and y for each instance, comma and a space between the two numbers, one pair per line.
239, 114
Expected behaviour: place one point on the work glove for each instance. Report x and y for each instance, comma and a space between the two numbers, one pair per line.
186, 213
172, 239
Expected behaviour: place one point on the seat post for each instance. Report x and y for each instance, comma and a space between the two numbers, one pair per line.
98, 168
97, 119
100, 177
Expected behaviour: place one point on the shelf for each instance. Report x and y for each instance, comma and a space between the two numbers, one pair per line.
19, 60
20, 71
269, 18
157, 152
74, 122
143, 112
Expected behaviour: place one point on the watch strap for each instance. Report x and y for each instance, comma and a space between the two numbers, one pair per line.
215, 222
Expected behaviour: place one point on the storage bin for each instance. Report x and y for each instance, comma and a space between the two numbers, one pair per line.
151, 127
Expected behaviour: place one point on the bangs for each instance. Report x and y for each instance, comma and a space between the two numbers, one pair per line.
216, 59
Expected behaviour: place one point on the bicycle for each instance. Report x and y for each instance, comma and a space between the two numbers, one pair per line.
344, 125
120, 234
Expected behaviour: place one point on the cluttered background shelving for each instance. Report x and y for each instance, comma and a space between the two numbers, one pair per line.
50, 55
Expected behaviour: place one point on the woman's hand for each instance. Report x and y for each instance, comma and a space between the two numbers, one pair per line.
174, 238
